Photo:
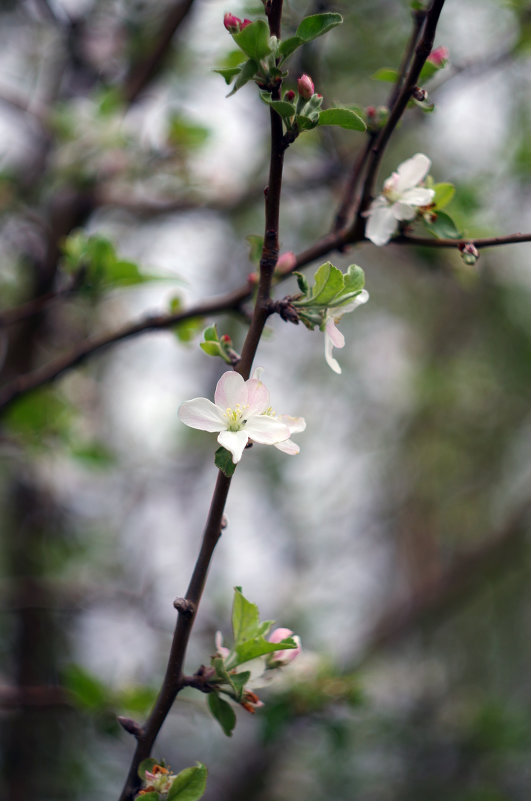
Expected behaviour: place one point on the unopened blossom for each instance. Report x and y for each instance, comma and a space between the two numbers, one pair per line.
439, 56
286, 262
286, 655
232, 23
241, 412
400, 200
251, 702
333, 336
305, 86
221, 650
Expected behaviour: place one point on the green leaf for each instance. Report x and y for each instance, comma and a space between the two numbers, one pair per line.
247, 73
316, 25
212, 349
187, 134
149, 797
288, 46
223, 712
88, 690
245, 618
259, 646
211, 334
146, 764
354, 279
443, 227
238, 681
428, 71
343, 117
223, 457
307, 123
254, 40
329, 282
189, 784
228, 73
443, 194
282, 107
385, 74
256, 245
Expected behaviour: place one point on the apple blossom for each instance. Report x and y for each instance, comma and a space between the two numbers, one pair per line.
287, 655
333, 336
232, 23
305, 86
439, 56
241, 411
401, 198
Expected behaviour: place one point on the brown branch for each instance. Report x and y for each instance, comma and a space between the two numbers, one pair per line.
142, 74
482, 242
418, 21
422, 51
174, 679
18, 313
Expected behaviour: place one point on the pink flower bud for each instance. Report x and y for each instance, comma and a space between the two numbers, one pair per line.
232, 23
244, 24
286, 262
226, 339
286, 656
289, 96
439, 56
305, 86
371, 112
252, 279
251, 702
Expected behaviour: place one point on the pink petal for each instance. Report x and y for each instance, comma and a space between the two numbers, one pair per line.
288, 446
257, 396
203, 414
279, 634
230, 391
338, 340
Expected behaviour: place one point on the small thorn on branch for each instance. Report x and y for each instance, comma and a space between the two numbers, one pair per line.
184, 607
130, 726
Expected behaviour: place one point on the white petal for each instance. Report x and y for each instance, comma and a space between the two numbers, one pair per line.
288, 446
412, 172
257, 396
203, 414
359, 300
230, 391
332, 363
235, 442
418, 196
381, 224
403, 211
295, 424
266, 430
338, 340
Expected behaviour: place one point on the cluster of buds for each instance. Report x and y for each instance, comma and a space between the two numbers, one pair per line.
157, 780
235, 24
215, 345
376, 117
469, 253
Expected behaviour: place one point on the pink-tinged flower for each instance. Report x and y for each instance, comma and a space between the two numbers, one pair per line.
220, 648
439, 56
285, 656
286, 262
289, 97
401, 198
232, 23
244, 24
305, 87
333, 336
241, 411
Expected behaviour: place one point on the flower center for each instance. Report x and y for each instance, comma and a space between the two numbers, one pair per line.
236, 417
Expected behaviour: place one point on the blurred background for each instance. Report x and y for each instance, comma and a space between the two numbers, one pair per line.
396, 544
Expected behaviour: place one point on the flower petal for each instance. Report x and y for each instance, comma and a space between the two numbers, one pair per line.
403, 211
338, 340
266, 429
288, 446
412, 172
359, 300
257, 396
203, 414
230, 390
332, 363
381, 224
295, 424
418, 196
235, 442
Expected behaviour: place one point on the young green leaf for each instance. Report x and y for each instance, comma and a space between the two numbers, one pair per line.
223, 712
254, 40
238, 681
228, 73
258, 646
247, 73
329, 282
354, 279
223, 457
443, 227
385, 74
428, 71
245, 618
211, 334
282, 107
189, 784
443, 194
316, 25
211, 349
288, 46
146, 764
256, 246
343, 117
